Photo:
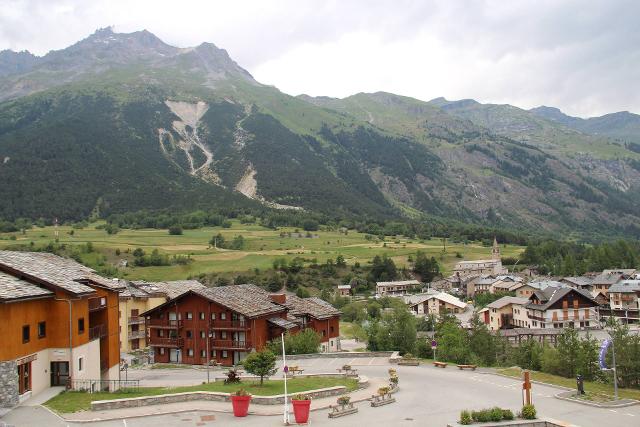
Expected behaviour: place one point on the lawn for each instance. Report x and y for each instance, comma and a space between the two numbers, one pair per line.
594, 390
262, 247
74, 401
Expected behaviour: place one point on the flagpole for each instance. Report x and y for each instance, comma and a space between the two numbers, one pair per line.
285, 370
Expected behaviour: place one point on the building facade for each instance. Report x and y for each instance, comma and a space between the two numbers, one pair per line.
491, 266
505, 313
624, 301
63, 329
563, 307
224, 324
435, 304
396, 288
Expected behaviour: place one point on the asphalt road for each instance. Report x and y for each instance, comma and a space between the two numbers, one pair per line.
428, 396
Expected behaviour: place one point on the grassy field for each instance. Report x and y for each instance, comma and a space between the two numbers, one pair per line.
594, 389
74, 401
262, 247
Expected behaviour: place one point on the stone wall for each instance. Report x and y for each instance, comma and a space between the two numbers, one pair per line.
8, 384
341, 354
101, 405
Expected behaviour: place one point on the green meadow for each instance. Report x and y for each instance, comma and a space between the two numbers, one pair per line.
261, 247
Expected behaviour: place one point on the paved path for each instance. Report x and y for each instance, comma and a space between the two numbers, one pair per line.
428, 396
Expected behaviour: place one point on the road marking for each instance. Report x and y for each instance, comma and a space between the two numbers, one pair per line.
124, 422
631, 415
613, 410
332, 361
371, 361
351, 361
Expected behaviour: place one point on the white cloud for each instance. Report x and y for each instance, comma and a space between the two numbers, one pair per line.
581, 56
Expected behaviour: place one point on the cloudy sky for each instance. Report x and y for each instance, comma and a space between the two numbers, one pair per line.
581, 56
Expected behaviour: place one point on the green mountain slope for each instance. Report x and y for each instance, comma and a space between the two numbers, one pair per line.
125, 122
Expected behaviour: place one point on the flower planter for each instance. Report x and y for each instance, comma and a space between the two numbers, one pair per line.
301, 410
380, 400
409, 362
240, 405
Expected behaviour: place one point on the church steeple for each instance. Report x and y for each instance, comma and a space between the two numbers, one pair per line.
495, 252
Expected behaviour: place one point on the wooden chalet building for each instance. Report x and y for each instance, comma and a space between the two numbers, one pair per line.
59, 326
223, 324
560, 307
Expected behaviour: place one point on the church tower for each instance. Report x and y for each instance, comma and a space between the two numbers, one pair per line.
495, 252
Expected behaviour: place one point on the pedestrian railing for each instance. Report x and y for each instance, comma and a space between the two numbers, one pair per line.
93, 386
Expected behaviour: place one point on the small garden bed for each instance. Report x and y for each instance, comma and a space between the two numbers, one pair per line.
495, 415
74, 401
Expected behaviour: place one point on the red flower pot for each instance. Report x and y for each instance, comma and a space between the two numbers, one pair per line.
301, 410
240, 405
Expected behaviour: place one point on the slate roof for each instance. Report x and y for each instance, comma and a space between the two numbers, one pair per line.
133, 291
398, 283
13, 288
626, 286
171, 289
579, 280
57, 271
504, 301
314, 307
610, 277
248, 300
282, 323
551, 294
412, 300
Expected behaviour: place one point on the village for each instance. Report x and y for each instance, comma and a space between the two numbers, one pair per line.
73, 329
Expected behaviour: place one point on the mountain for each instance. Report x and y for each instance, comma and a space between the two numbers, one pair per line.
124, 122
623, 125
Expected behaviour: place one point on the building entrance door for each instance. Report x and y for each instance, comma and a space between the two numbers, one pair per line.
59, 373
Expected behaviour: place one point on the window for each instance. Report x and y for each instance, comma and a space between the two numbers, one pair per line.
213, 316
189, 315
201, 315
324, 332
223, 316
26, 333
213, 353
331, 329
223, 335
202, 334
224, 354
81, 325
203, 353
80, 364
161, 350
189, 334
190, 352
160, 333
42, 329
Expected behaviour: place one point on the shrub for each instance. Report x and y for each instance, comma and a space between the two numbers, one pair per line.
496, 414
346, 367
393, 372
344, 400
482, 416
528, 412
383, 390
465, 418
241, 392
301, 396
175, 230
507, 414
232, 377
394, 380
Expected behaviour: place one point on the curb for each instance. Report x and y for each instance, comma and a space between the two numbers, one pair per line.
629, 402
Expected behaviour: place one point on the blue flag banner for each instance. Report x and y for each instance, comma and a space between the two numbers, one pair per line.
603, 353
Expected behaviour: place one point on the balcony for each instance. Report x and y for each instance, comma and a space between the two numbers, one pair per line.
97, 303
229, 324
135, 320
539, 318
97, 332
230, 345
136, 335
164, 323
165, 342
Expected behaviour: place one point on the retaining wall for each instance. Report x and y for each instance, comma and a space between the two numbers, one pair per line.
342, 354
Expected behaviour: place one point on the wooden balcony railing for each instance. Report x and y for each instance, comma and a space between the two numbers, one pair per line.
164, 323
165, 342
136, 335
135, 320
97, 332
230, 345
229, 324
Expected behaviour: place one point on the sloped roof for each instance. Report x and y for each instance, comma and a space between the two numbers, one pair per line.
314, 307
282, 323
55, 270
550, 295
610, 277
412, 300
626, 286
248, 300
579, 280
504, 301
398, 283
13, 288
170, 289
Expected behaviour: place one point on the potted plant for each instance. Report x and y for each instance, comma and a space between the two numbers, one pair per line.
240, 401
393, 372
383, 391
301, 407
393, 381
344, 400
346, 367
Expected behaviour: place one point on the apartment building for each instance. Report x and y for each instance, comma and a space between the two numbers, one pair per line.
434, 303
505, 313
396, 288
139, 297
223, 324
560, 307
60, 326
624, 301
